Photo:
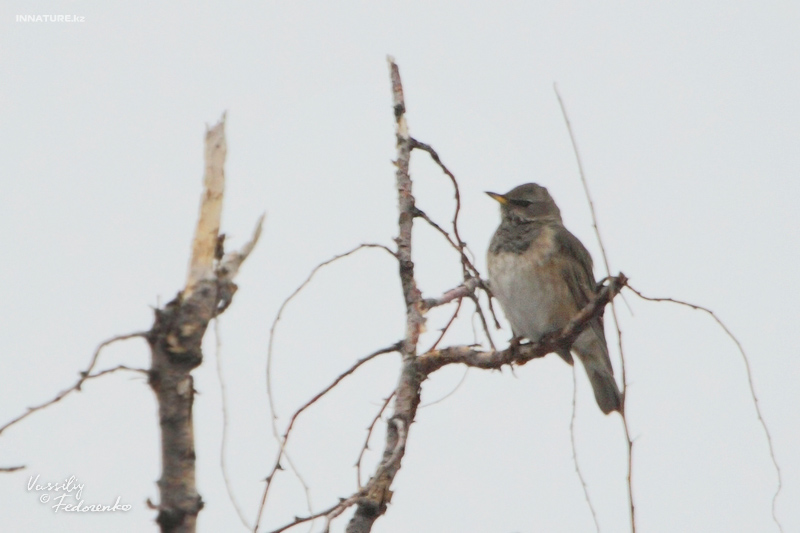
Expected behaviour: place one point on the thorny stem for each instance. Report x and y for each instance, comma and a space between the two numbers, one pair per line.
369, 434
377, 492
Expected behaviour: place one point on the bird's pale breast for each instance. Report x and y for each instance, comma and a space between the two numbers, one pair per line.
531, 288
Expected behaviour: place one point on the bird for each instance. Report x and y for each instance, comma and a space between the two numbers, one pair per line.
542, 275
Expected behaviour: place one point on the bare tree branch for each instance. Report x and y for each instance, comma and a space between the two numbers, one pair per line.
377, 491
176, 343
232, 261
469, 270
207, 229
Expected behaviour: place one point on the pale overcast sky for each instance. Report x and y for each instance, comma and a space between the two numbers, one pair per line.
688, 120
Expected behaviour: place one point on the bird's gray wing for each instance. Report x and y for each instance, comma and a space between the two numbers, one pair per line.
577, 273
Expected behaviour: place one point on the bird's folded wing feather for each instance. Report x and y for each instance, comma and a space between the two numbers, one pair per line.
577, 273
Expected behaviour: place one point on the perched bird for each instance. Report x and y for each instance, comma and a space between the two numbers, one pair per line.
542, 276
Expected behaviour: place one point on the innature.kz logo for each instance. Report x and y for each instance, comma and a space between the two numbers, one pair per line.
50, 18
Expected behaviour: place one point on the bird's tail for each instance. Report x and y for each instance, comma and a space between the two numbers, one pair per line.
593, 353
605, 387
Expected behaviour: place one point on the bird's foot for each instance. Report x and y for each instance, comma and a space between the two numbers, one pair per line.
513, 352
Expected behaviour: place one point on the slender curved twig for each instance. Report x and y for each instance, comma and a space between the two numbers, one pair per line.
455, 389
575, 450
86, 374
270, 398
749, 373
285, 437
365, 447
223, 446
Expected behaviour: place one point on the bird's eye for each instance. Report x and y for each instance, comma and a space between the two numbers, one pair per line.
521, 203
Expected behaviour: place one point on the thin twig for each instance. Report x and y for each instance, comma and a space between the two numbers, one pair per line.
299, 520
424, 216
749, 373
378, 489
369, 434
86, 374
465, 289
613, 309
223, 446
273, 413
446, 396
115, 369
270, 398
479, 311
6, 469
344, 504
471, 274
447, 327
330, 513
285, 437
467, 265
575, 450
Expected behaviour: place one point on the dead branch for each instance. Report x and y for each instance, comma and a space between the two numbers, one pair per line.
176, 343
330, 513
376, 494
377, 491
466, 264
206, 232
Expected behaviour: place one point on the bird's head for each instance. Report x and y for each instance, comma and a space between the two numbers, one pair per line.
527, 203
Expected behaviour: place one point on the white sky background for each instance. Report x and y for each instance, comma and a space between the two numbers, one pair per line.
688, 120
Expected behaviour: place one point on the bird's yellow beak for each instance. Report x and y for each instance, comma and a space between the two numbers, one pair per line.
499, 197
